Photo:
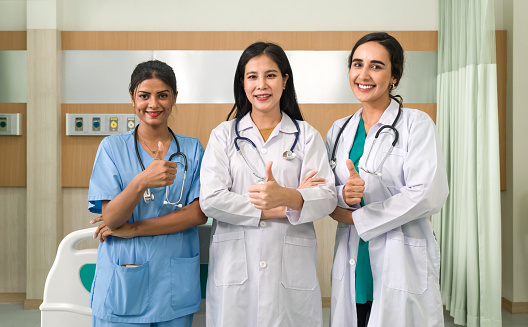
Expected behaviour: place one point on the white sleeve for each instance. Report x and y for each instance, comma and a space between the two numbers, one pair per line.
331, 138
216, 199
424, 192
318, 201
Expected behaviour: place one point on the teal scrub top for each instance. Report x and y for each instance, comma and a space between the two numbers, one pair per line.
164, 284
364, 283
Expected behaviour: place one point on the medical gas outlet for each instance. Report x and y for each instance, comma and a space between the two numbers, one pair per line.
10, 124
99, 124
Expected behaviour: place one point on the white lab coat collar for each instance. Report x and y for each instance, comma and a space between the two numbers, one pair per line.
388, 116
286, 124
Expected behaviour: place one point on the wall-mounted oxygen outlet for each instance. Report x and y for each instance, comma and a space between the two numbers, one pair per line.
100, 124
10, 124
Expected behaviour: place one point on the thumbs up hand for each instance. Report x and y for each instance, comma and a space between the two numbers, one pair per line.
160, 172
354, 187
267, 195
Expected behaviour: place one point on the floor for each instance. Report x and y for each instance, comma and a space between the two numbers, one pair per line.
14, 315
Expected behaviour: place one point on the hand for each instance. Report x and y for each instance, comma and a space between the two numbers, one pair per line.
354, 187
268, 195
342, 215
310, 181
160, 172
103, 231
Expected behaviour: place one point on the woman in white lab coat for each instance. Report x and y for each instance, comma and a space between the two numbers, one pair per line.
263, 252
387, 261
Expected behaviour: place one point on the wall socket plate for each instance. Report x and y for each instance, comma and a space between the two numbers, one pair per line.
10, 124
100, 124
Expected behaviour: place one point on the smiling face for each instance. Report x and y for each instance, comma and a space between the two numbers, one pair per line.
153, 101
370, 75
263, 84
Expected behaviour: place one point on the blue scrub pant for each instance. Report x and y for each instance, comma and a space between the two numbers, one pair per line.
185, 321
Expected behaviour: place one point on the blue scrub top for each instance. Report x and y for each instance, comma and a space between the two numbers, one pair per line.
166, 284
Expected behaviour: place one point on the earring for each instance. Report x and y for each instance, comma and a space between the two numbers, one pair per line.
391, 87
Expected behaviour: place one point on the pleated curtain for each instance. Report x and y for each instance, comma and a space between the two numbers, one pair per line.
468, 228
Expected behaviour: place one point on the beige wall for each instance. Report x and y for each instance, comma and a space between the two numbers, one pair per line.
514, 200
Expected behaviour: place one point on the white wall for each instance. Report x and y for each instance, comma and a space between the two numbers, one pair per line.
232, 15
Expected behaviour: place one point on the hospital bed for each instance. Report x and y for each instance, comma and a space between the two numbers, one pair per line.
66, 300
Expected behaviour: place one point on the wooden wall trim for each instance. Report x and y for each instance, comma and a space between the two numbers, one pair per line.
237, 40
32, 304
13, 40
13, 149
12, 297
196, 120
514, 307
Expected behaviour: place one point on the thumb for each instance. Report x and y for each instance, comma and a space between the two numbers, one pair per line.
269, 174
351, 168
159, 152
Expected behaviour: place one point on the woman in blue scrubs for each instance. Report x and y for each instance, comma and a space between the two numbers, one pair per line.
148, 266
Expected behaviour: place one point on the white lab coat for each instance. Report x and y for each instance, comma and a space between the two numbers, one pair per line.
404, 254
263, 273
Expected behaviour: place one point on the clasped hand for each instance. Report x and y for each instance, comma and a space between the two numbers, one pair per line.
267, 195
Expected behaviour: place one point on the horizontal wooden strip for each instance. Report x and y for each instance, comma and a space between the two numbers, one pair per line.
239, 40
12, 297
13, 150
32, 304
196, 120
13, 40
514, 307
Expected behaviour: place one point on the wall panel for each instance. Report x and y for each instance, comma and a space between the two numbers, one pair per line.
13, 150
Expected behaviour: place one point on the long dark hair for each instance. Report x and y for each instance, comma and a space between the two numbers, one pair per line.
288, 100
152, 69
396, 55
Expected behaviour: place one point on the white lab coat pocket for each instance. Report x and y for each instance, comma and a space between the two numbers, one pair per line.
405, 265
341, 252
230, 262
128, 292
185, 285
299, 263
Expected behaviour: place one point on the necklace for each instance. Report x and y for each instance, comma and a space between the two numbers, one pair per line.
153, 152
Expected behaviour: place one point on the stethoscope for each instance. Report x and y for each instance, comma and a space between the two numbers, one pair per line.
148, 196
392, 127
288, 154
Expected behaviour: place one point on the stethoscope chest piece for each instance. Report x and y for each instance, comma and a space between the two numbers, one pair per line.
289, 155
148, 196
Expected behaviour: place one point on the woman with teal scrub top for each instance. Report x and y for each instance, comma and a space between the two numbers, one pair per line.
148, 267
390, 177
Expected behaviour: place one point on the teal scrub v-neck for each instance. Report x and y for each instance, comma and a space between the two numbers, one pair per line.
364, 283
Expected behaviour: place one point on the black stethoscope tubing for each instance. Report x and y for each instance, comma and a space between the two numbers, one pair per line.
238, 137
392, 127
148, 196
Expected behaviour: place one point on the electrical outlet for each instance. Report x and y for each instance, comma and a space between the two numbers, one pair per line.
96, 124
78, 124
131, 123
3, 124
113, 124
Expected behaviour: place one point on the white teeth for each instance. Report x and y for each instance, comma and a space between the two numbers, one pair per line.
262, 96
364, 87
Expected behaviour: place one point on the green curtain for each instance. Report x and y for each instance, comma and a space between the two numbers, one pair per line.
468, 227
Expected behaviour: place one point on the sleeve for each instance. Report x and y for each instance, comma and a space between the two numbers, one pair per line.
318, 201
105, 182
331, 138
424, 192
216, 199
194, 190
